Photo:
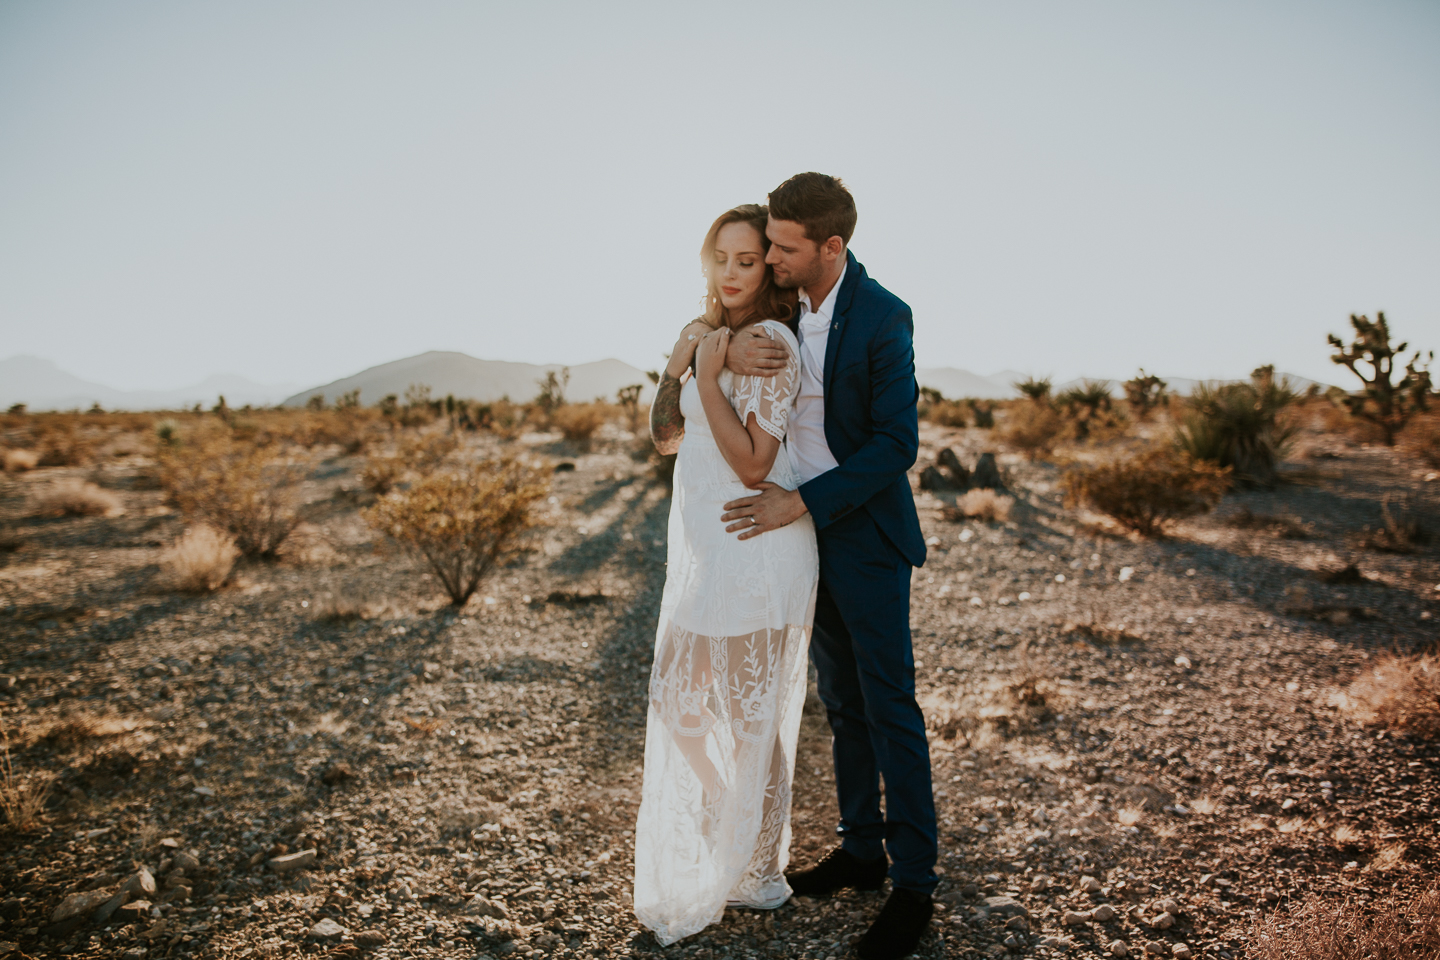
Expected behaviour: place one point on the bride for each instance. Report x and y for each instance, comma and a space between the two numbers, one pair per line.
728, 680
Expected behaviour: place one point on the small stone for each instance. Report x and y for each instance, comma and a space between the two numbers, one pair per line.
179, 893
327, 929
1181, 951
1163, 922
170, 843
301, 860
1089, 885
8, 947
1157, 947
78, 903
1039, 882
1168, 906
1005, 907
185, 862
1103, 913
1271, 894
1055, 943
1017, 923
1072, 918
370, 938
970, 890
134, 910
1039, 815
1118, 948
478, 906
134, 953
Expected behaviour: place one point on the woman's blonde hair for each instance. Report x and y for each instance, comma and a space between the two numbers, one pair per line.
771, 302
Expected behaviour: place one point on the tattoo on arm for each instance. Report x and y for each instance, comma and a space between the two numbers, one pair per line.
667, 426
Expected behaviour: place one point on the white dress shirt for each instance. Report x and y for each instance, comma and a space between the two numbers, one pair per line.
808, 446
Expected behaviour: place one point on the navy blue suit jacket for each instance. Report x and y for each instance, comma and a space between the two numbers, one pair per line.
871, 423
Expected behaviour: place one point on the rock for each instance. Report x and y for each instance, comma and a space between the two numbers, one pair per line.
1103, 913
134, 910
80, 903
1089, 885
1181, 951
970, 890
1156, 947
1055, 943
370, 938
1163, 922
185, 862
11, 909
959, 474
1017, 923
327, 929
179, 893
8, 947
1072, 918
1039, 883
932, 479
134, 953
1167, 906
987, 473
1038, 815
1271, 894
478, 906
337, 773
1005, 907
301, 860
1118, 948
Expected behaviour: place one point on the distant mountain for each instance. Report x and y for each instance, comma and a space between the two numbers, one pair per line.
956, 384
41, 385
446, 372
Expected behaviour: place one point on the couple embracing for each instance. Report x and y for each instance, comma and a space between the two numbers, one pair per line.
799, 383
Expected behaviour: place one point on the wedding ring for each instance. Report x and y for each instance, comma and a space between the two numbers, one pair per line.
691, 337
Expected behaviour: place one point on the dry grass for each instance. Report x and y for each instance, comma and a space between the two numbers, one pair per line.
985, 505
200, 560
1130, 816
18, 461
77, 498
1396, 929
1402, 532
307, 545
1422, 439
22, 798
1206, 806
345, 604
1399, 692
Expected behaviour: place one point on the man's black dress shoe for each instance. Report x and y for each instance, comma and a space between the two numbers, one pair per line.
898, 929
838, 869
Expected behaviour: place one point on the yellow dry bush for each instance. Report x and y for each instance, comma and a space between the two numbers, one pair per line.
1422, 439
240, 489
22, 798
200, 559
413, 455
1146, 492
1032, 427
579, 421
77, 498
463, 523
1398, 692
985, 505
18, 461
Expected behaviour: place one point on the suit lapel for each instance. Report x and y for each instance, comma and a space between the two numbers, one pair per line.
853, 273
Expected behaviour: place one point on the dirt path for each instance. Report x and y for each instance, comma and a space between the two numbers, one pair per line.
1156, 716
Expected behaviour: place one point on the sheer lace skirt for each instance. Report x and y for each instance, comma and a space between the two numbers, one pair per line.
726, 692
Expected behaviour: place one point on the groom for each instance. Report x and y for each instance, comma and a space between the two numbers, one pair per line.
853, 435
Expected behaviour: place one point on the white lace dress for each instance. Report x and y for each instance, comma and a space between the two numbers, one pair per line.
728, 681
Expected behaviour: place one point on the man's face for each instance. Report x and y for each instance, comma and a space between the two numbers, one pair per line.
794, 257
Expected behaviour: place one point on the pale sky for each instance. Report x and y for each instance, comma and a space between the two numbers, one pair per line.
295, 190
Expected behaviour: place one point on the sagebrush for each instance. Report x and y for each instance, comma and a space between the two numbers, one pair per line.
1147, 492
1033, 427
200, 559
244, 490
463, 523
1400, 692
76, 498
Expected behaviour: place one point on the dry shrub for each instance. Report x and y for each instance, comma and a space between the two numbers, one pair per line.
507, 420
242, 490
18, 461
200, 559
1149, 491
1286, 528
1329, 930
946, 413
21, 798
1422, 439
1402, 531
463, 523
307, 545
416, 454
578, 422
72, 497
985, 505
346, 604
1032, 427
1399, 692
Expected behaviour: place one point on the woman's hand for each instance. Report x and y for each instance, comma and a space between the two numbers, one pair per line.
710, 358
685, 347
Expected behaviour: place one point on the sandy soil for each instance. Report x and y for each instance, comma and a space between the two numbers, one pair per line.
1146, 728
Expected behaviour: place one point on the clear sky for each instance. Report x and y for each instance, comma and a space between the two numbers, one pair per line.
296, 190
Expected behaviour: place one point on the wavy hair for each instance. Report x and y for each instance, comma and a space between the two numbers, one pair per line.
772, 302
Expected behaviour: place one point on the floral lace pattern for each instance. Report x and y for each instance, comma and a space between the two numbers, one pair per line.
728, 682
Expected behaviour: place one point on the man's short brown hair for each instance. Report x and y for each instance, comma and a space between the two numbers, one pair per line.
819, 203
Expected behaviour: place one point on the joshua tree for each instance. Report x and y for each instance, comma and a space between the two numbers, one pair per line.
1238, 425
1144, 392
629, 400
1385, 404
552, 390
1086, 404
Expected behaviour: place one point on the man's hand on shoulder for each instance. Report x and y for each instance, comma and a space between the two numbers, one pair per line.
754, 354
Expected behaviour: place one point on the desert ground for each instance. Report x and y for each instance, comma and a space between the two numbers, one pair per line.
1139, 745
